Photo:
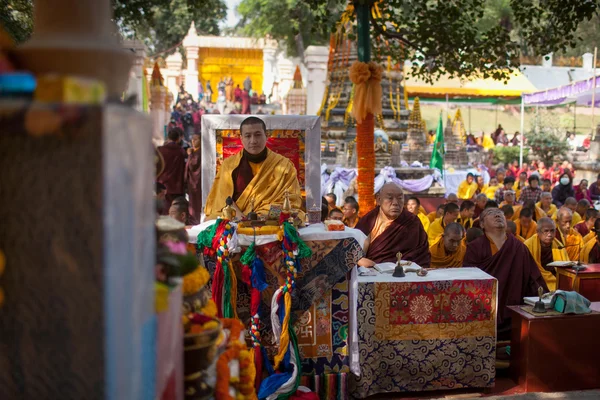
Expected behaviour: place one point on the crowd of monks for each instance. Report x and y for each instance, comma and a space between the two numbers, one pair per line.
482, 226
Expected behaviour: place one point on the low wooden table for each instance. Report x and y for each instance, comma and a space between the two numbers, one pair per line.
586, 282
555, 353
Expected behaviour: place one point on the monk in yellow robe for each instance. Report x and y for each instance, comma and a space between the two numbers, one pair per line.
536, 211
590, 254
467, 210
439, 211
254, 174
520, 184
467, 188
509, 199
413, 205
436, 229
511, 228
571, 204
545, 249
490, 191
448, 251
526, 226
587, 225
569, 238
545, 204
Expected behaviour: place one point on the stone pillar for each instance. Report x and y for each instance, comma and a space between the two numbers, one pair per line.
158, 96
191, 44
316, 58
174, 64
136, 75
269, 66
286, 75
77, 37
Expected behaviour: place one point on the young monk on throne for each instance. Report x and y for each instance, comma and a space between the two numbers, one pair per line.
391, 229
508, 260
255, 173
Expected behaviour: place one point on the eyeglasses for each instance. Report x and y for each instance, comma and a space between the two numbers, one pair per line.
548, 231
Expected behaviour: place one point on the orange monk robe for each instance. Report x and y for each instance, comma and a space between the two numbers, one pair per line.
587, 249
436, 230
466, 190
558, 254
273, 177
424, 220
440, 258
539, 213
588, 237
432, 216
526, 234
573, 244
551, 212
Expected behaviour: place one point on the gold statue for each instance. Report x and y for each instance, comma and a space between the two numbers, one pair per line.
228, 211
287, 208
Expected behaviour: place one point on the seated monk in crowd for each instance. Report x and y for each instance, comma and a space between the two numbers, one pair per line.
480, 201
509, 198
448, 251
537, 212
336, 214
255, 173
545, 249
432, 216
391, 229
568, 237
451, 198
350, 211
179, 211
436, 229
511, 228
331, 200
545, 204
586, 226
508, 260
508, 211
467, 210
488, 204
582, 206
590, 254
472, 234
526, 226
413, 205
571, 204
467, 188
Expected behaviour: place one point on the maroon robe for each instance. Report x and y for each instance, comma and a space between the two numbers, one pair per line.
193, 177
405, 234
245, 102
514, 267
582, 229
173, 174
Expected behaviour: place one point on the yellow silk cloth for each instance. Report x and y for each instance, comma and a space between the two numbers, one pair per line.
381, 224
558, 254
573, 243
440, 257
588, 237
551, 212
587, 249
527, 234
276, 175
424, 220
539, 213
576, 218
432, 216
490, 192
436, 229
466, 191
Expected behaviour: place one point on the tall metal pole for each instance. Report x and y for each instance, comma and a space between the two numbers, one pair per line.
522, 129
594, 95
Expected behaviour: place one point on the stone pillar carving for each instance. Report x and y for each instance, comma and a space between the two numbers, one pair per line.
174, 65
191, 44
136, 75
286, 75
77, 37
316, 62
269, 66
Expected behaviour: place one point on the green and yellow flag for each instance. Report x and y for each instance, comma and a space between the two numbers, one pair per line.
437, 156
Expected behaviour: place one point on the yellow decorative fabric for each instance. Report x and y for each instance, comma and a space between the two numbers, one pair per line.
436, 229
573, 244
551, 212
466, 191
558, 254
527, 234
276, 175
539, 213
424, 220
366, 78
587, 249
441, 259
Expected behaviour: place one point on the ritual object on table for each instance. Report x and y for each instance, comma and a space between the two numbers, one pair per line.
539, 306
314, 214
229, 212
334, 225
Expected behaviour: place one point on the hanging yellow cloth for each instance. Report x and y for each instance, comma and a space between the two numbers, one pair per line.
558, 254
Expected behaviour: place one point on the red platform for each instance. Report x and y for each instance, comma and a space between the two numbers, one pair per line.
585, 282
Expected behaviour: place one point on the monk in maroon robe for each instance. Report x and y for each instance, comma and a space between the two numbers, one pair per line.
173, 175
193, 178
392, 229
506, 259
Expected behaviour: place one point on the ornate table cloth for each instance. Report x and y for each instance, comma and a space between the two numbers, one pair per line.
425, 333
321, 299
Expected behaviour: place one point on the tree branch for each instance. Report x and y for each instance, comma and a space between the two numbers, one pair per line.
397, 36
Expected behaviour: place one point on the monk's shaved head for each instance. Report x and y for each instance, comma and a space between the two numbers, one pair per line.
453, 236
391, 200
546, 229
564, 216
546, 195
571, 203
451, 198
454, 228
511, 227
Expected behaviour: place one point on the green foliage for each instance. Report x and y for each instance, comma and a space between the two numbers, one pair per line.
160, 23
291, 21
507, 154
547, 138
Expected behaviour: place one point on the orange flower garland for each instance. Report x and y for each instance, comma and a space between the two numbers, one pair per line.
365, 151
235, 351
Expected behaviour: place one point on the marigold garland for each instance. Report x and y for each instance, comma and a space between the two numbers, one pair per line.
365, 151
195, 281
